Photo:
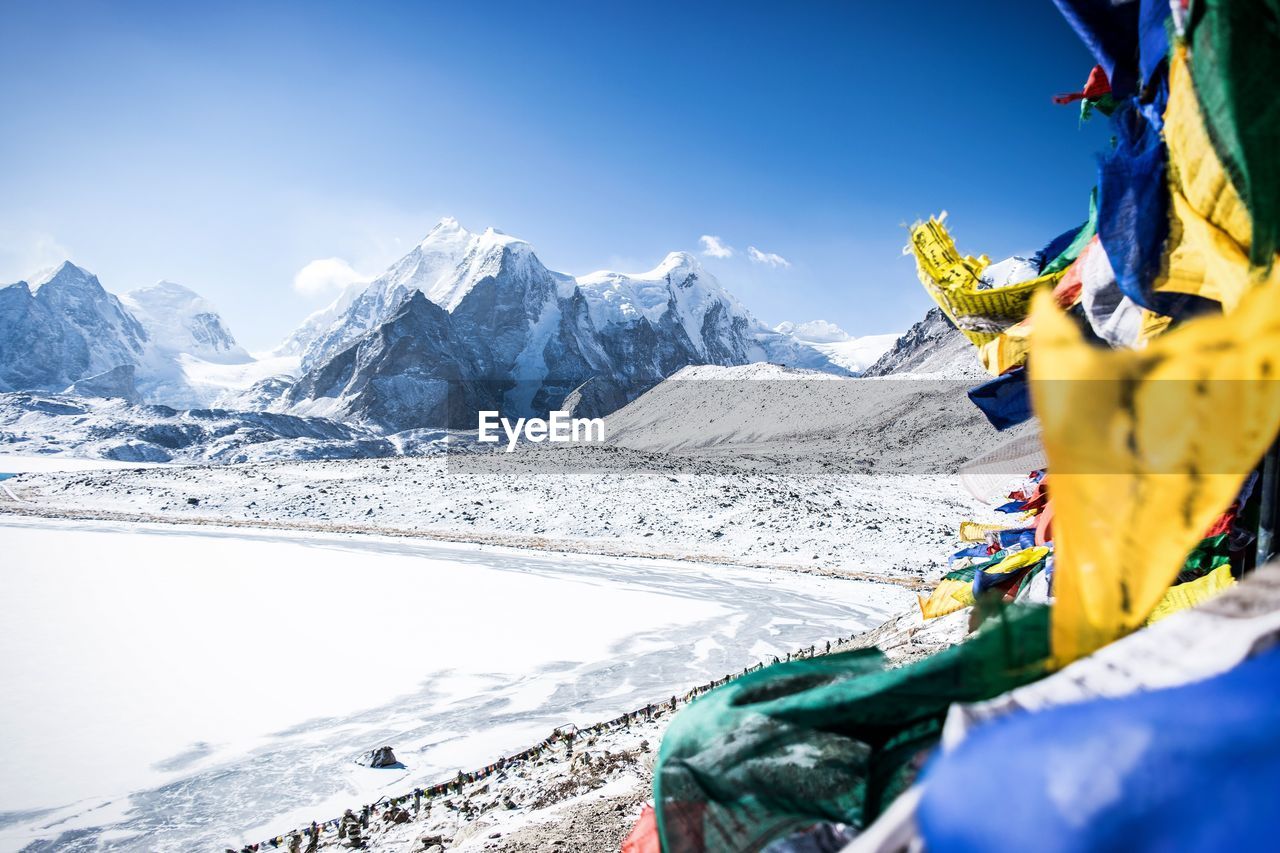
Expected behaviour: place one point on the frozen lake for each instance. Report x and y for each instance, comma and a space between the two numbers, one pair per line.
177, 688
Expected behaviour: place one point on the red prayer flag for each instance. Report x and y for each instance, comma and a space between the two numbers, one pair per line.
1095, 87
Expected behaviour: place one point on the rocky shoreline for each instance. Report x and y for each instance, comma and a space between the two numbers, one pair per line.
585, 792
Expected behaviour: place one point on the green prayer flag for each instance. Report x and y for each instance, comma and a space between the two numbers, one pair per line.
1235, 68
1210, 554
833, 738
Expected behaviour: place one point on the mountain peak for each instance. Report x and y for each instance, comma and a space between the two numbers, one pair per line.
678, 259
168, 288
673, 262
447, 230
64, 273
493, 238
68, 268
179, 320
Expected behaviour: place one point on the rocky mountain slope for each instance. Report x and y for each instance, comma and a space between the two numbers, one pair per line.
931, 348
411, 371
33, 423
895, 424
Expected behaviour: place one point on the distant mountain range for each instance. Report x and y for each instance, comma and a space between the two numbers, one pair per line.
463, 321
162, 344
495, 326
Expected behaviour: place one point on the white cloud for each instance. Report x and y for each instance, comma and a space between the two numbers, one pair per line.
714, 247
769, 258
27, 254
326, 275
816, 332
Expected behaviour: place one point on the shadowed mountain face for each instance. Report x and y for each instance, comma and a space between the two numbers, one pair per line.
411, 371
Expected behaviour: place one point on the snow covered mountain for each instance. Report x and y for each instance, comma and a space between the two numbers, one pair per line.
362, 308
853, 354
163, 344
179, 320
63, 327
719, 328
464, 320
191, 360
523, 332
930, 349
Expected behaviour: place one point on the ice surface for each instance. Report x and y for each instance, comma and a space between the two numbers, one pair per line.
61, 462
179, 689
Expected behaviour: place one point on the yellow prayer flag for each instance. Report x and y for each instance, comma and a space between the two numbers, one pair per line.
972, 531
1190, 594
948, 597
1007, 349
1153, 325
1146, 448
1210, 228
1018, 560
954, 281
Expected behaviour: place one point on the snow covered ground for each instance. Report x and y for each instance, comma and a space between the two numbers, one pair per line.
601, 500
172, 688
753, 465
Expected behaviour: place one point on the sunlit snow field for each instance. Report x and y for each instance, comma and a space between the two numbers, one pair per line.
179, 688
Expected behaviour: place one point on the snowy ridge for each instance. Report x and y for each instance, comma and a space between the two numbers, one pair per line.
318, 322
484, 255
857, 354
56, 425
678, 283
192, 360
360, 308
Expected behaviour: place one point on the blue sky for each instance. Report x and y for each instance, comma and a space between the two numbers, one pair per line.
227, 145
